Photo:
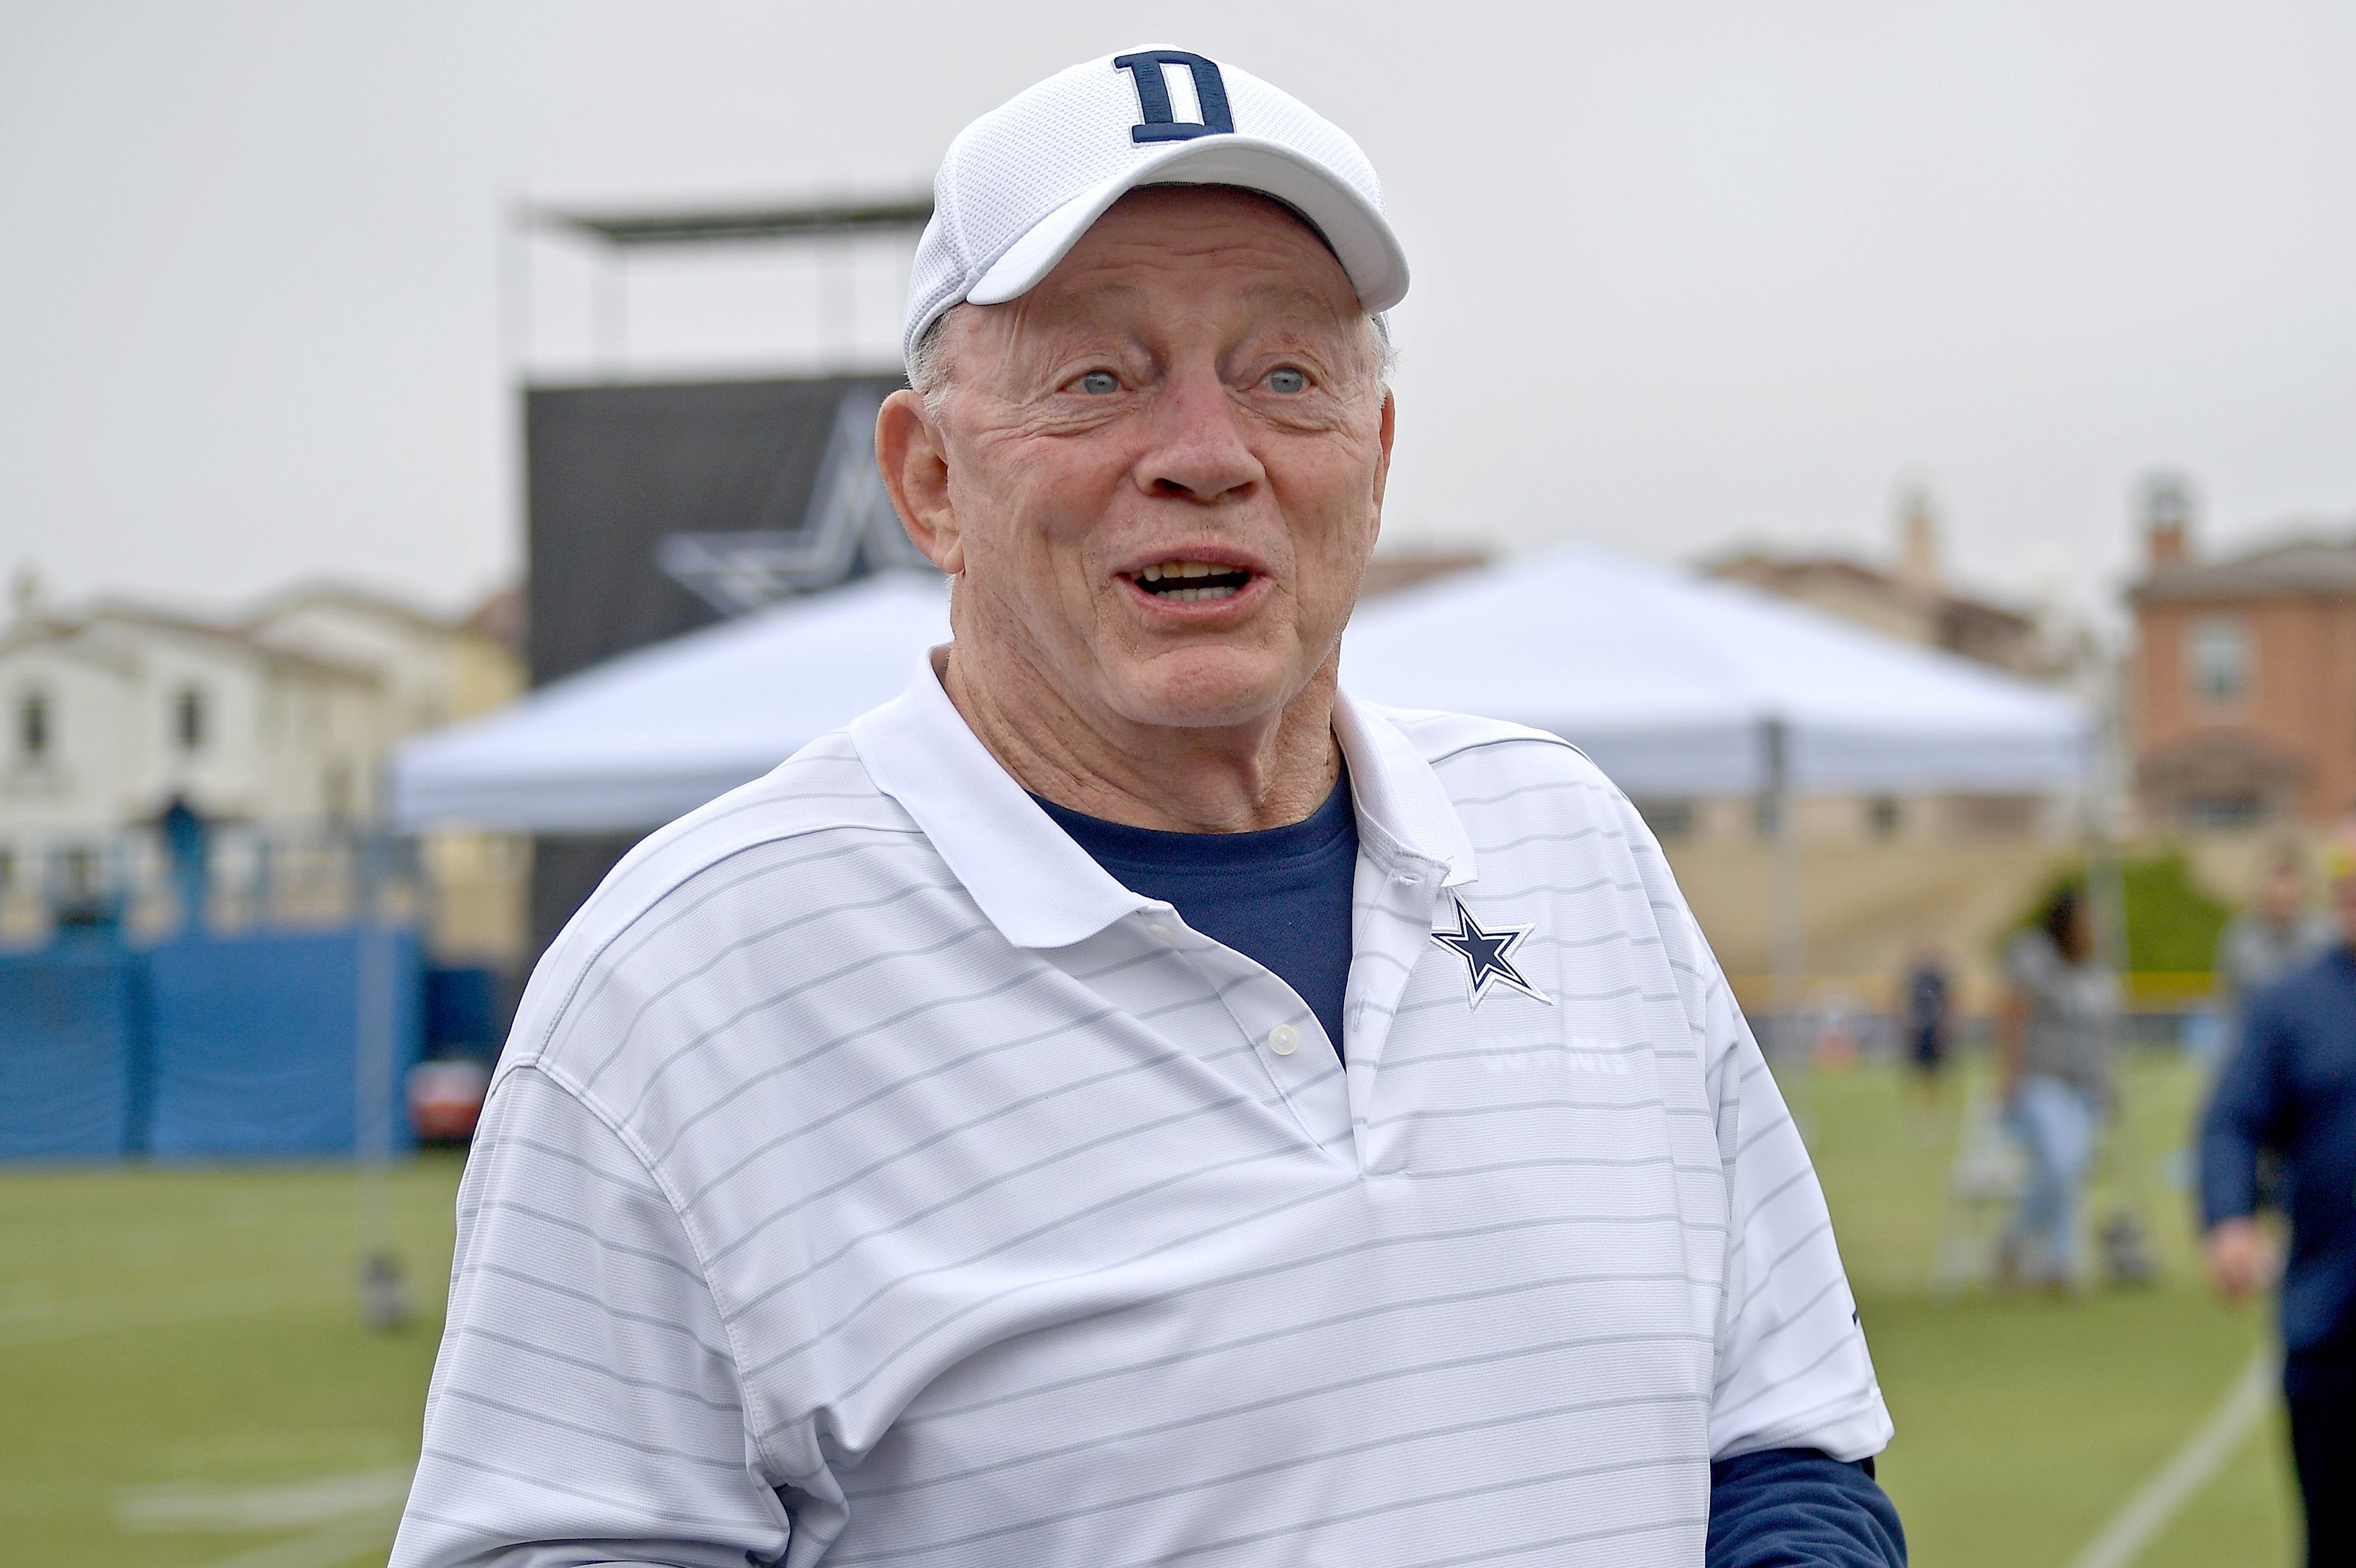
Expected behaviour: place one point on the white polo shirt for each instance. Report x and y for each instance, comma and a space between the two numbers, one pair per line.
872, 1179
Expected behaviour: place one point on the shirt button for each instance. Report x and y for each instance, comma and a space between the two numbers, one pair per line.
1160, 929
1284, 1039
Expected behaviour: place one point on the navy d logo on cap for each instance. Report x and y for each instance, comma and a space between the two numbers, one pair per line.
1159, 122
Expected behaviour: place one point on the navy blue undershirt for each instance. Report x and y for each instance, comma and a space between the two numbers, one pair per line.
1282, 896
1279, 895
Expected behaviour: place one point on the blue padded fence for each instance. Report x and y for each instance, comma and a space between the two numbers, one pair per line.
73, 1052
256, 1042
242, 1047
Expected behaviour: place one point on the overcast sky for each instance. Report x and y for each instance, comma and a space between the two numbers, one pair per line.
1684, 274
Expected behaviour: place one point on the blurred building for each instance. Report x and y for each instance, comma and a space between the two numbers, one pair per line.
116, 712
1886, 873
271, 729
2243, 683
1909, 598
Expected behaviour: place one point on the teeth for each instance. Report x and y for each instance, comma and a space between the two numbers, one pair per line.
1188, 595
1180, 569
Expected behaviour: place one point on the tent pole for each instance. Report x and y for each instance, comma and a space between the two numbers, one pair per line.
1786, 915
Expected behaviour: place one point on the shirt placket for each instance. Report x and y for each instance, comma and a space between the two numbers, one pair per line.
1288, 1043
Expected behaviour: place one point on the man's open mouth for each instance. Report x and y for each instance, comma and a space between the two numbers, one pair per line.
1186, 581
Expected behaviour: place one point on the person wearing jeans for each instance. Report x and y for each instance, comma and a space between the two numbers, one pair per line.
2053, 1052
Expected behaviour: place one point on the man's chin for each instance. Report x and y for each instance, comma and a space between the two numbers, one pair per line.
1202, 689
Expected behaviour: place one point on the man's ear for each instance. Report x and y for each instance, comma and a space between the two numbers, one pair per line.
916, 468
1382, 433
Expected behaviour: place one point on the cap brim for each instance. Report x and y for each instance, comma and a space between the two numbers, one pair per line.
1361, 237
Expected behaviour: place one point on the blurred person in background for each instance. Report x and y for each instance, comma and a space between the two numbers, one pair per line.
2054, 1036
1925, 1014
2289, 1089
2280, 931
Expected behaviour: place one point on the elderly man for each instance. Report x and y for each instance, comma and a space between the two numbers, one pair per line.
2288, 1087
1124, 1101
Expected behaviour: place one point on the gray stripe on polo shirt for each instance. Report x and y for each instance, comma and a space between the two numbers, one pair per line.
684, 906
1257, 1472
1522, 791
720, 1030
1574, 836
1461, 1494
965, 1194
1313, 1326
1200, 1418
1556, 1542
596, 1369
468, 1462
740, 945
778, 1069
1255, 1156
541, 1282
734, 1462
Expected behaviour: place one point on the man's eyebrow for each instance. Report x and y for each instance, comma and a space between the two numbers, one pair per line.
1303, 299
1102, 293
1298, 301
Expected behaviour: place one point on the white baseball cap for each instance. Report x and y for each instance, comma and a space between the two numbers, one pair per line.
1022, 184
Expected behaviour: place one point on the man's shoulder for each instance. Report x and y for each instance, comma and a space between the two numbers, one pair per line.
808, 832
822, 789
1470, 754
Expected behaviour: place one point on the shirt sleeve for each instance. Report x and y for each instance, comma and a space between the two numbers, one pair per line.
1793, 1370
585, 1407
2240, 1120
1793, 1508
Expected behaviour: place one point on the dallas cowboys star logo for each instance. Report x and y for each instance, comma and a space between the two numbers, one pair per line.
1488, 956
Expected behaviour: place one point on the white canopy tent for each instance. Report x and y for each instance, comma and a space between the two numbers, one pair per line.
1670, 682
1673, 683
651, 734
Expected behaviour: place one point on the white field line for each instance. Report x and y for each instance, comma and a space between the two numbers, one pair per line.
324, 1550
359, 1511
2129, 1532
313, 1504
71, 1320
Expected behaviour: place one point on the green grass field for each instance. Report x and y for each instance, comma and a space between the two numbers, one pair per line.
186, 1383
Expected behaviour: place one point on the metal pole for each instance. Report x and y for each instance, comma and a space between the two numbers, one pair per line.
513, 283
2126, 1231
1787, 913
384, 1303
845, 331
613, 308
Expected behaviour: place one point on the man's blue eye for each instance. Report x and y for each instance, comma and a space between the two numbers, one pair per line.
1098, 383
1287, 381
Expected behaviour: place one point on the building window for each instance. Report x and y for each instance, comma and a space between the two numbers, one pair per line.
188, 720
2219, 656
33, 725
1667, 819
2224, 811
1884, 816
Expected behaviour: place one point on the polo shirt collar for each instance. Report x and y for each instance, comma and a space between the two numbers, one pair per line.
1040, 889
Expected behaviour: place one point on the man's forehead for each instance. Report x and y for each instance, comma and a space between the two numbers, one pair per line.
1224, 246
1109, 297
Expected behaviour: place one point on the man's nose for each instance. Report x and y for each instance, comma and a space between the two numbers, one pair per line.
1199, 452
